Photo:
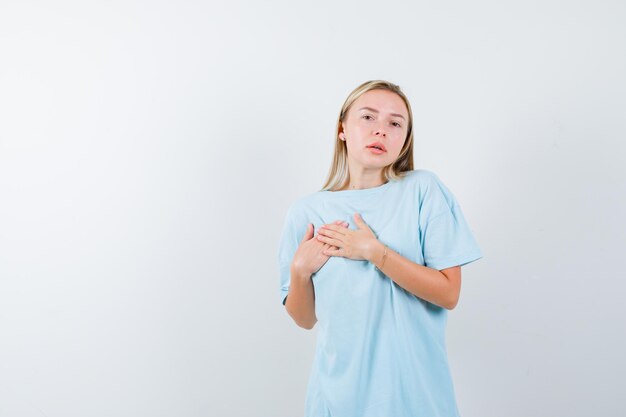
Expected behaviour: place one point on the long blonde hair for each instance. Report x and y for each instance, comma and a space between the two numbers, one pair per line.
339, 175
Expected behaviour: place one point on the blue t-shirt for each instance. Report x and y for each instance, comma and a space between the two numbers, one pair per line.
381, 350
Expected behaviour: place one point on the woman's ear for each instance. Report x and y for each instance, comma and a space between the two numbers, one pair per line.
342, 134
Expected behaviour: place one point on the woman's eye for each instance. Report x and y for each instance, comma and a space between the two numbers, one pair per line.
396, 124
365, 116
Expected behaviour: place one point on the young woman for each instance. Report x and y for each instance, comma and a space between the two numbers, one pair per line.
382, 271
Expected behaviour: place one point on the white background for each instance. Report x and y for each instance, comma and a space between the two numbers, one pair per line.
149, 151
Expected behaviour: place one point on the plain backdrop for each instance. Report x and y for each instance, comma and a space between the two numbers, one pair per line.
149, 151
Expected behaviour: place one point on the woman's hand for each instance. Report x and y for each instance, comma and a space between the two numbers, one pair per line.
310, 256
353, 244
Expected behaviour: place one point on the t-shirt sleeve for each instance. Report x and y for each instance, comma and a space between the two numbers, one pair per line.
287, 246
445, 236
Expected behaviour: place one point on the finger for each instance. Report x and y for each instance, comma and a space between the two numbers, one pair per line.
329, 240
334, 226
309, 233
337, 223
333, 230
360, 222
332, 252
327, 246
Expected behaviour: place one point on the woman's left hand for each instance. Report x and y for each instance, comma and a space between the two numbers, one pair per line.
353, 244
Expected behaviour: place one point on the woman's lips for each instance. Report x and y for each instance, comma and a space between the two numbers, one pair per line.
376, 151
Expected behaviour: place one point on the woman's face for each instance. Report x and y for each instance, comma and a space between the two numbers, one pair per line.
378, 117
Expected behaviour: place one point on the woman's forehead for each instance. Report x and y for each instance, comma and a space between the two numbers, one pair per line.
383, 101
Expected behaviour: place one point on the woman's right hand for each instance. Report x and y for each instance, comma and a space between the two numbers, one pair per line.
309, 256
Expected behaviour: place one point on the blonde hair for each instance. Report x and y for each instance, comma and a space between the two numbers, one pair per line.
338, 175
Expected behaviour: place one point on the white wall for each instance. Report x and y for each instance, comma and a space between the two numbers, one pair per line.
149, 151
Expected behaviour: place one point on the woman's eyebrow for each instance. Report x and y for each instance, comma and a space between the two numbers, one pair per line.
376, 111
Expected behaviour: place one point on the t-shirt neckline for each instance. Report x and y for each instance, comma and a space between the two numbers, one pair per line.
363, 191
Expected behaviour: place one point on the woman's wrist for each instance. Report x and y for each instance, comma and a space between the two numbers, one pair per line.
298, 274
378, 254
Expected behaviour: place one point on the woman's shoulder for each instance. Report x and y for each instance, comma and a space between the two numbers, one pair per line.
429, 185
423, 176
304, 202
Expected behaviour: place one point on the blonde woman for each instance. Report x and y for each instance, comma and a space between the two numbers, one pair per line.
374, 259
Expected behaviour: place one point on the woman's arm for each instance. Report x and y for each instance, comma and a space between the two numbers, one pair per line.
438, 287
307, 260
300, 302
